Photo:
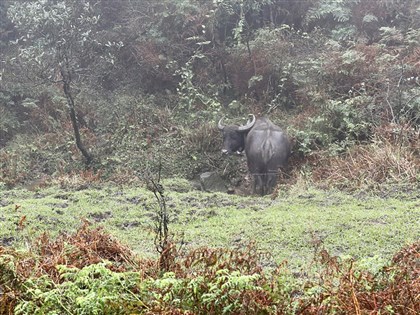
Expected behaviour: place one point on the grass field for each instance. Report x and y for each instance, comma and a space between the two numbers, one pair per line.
368, 227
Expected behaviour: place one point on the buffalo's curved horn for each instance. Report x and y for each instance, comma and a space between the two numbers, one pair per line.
249, 124
220, 124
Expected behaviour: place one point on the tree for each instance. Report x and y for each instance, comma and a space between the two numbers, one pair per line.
60, 44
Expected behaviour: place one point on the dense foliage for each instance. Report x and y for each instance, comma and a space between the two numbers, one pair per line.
138, 83
67, 275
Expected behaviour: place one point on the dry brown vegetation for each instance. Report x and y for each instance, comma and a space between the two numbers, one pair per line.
392, 158
337, 288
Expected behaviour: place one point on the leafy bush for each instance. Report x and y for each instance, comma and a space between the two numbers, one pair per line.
93, 289
335, 126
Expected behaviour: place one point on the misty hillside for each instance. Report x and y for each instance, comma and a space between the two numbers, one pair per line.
120, 88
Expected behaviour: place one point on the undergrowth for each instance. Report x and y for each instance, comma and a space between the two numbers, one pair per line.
90, 272
391, 158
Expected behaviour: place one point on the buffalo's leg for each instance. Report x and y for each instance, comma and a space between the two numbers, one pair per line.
271, 182
258, 185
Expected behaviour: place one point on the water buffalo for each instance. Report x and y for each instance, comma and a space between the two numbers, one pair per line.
266, 146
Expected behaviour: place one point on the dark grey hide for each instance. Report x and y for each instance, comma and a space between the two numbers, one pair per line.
266, 146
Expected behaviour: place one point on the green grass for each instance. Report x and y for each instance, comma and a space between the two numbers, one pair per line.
367, 227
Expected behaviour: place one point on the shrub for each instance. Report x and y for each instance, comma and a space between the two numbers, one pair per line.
382, 162
93, 289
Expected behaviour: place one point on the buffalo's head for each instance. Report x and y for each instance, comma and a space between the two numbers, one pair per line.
234, 136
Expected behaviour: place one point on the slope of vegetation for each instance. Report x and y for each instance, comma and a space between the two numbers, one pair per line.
120, 86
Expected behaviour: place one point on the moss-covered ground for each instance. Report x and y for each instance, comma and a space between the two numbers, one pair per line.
369, 227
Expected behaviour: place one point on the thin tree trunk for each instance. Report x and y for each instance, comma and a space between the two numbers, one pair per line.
70, 103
